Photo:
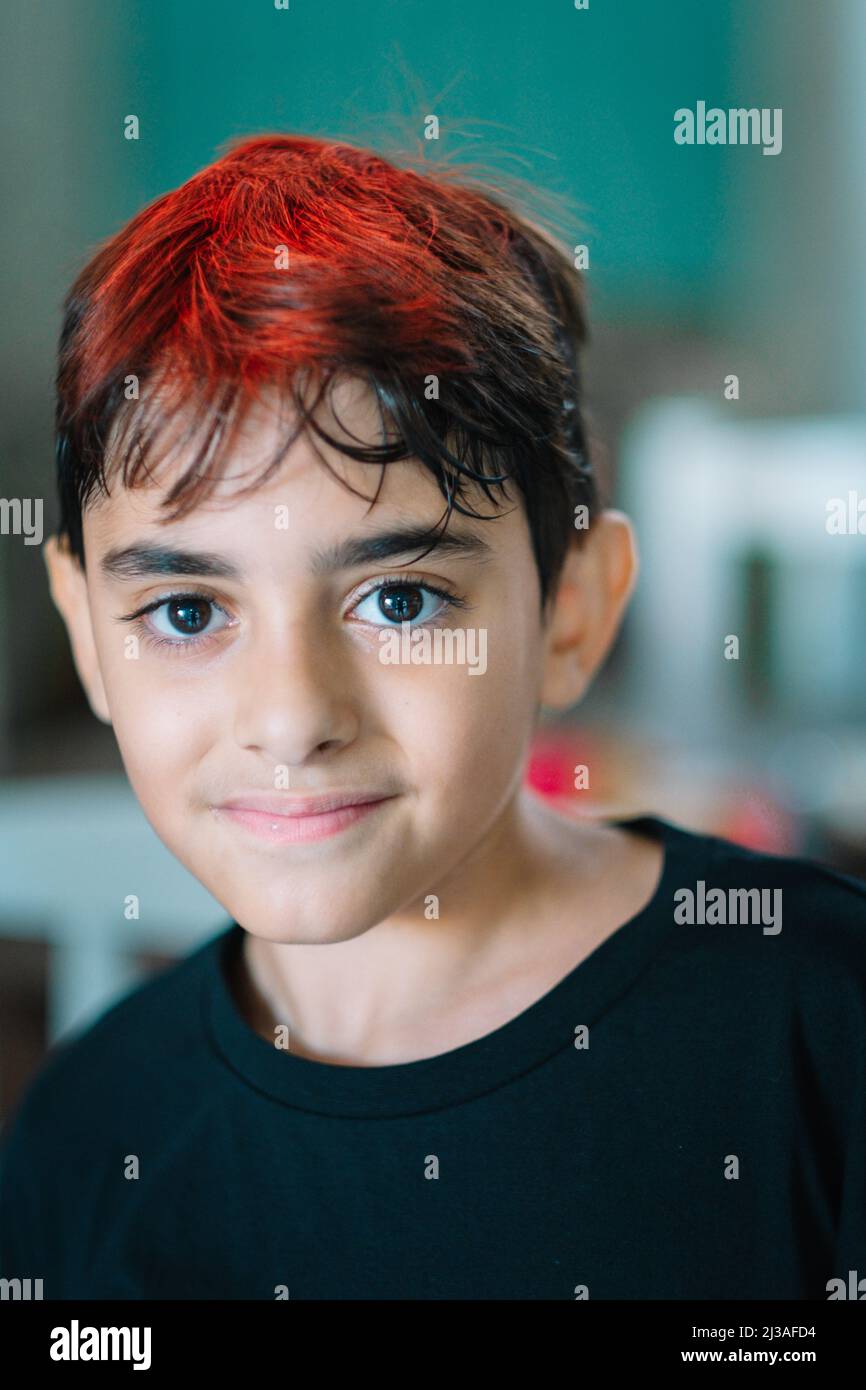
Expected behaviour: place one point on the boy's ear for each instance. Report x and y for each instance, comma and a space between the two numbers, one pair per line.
68, 586
585, 614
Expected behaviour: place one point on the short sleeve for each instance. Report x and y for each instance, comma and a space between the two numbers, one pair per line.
24, 1239
850, 1246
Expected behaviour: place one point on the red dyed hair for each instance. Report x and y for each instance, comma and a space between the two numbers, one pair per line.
292, 261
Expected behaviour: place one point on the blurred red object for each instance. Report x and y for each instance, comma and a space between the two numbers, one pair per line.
755, 821
552, 763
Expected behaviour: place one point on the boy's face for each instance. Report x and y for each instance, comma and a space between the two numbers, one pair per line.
270, 681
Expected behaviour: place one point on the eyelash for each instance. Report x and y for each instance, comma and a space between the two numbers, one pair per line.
158, 640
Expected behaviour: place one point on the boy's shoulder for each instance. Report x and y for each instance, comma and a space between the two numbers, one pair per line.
789, 912
145, 1047
740, 865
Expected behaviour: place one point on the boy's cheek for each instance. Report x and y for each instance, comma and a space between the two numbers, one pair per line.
464, 742
162, 740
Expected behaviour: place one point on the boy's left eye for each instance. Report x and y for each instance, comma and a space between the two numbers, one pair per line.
404, 602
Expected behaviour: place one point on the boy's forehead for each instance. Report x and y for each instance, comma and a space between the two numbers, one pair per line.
348, 413
301, 500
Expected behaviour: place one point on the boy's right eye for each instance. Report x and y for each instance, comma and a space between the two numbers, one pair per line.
179, 620
184, 617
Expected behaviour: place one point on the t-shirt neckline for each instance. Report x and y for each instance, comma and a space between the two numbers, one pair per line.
474, 1068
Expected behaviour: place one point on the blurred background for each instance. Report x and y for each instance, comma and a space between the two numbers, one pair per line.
704, 262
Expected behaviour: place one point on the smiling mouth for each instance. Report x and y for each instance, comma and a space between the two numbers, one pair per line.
300, 819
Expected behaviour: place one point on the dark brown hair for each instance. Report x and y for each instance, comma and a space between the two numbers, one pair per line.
291, 261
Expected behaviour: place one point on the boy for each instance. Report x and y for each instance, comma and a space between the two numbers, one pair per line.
452, 1045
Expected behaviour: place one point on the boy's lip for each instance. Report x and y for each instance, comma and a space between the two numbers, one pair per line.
300, 806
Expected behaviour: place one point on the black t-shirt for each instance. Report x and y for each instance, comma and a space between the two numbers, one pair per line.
682, 1116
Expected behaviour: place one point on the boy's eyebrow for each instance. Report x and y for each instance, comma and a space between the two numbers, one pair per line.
143, 559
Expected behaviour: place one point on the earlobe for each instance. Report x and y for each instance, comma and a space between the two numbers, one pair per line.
68, 585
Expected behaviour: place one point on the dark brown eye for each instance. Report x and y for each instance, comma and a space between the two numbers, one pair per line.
184, 619
405, 601
188, 616
401, 603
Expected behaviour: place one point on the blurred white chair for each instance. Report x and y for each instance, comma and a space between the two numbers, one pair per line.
732, 512
72, 851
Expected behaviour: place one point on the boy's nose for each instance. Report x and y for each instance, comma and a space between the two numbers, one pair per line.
293, 699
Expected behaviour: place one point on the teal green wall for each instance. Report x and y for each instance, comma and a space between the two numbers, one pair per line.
581, 101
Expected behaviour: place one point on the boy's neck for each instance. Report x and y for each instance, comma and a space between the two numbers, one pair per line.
523, 909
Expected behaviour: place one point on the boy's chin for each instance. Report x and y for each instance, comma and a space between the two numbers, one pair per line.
285, 926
